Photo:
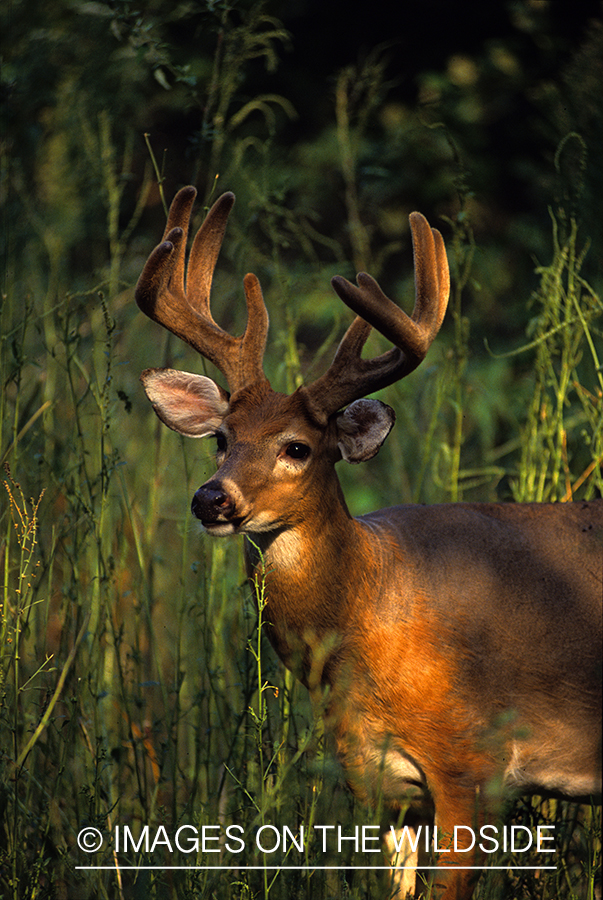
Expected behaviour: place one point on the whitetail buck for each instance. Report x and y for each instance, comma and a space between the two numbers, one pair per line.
457, 647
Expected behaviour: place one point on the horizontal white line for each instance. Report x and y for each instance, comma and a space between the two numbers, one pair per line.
324, 868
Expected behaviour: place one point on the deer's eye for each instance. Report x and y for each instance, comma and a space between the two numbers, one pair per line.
220, 442
297, 450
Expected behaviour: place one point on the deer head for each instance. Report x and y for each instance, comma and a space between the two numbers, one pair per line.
284, 438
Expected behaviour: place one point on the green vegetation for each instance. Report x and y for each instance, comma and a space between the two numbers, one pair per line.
135, 685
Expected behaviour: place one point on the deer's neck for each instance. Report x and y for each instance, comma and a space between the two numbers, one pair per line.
314, 577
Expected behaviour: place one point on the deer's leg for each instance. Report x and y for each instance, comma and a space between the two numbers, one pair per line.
403, 848
398, 851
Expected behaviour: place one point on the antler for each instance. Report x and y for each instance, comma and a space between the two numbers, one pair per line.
182, 306
350, 377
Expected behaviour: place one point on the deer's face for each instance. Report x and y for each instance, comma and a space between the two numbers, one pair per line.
269, 453
275, 459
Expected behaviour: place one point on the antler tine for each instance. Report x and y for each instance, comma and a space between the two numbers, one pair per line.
349, 376
179, 215
185, 311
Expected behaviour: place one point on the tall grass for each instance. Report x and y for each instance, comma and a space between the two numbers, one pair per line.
136, 687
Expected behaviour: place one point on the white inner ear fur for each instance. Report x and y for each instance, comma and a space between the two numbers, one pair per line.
362, 428
192, 405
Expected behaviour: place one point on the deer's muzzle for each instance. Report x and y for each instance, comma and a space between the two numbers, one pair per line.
211, 503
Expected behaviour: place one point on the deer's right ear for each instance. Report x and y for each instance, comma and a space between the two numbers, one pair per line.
192, 405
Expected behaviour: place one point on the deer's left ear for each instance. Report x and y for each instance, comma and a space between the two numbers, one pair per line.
362, 428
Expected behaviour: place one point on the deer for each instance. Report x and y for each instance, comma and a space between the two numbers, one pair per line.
456, 647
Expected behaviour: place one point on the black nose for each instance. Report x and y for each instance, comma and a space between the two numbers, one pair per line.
212, 503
